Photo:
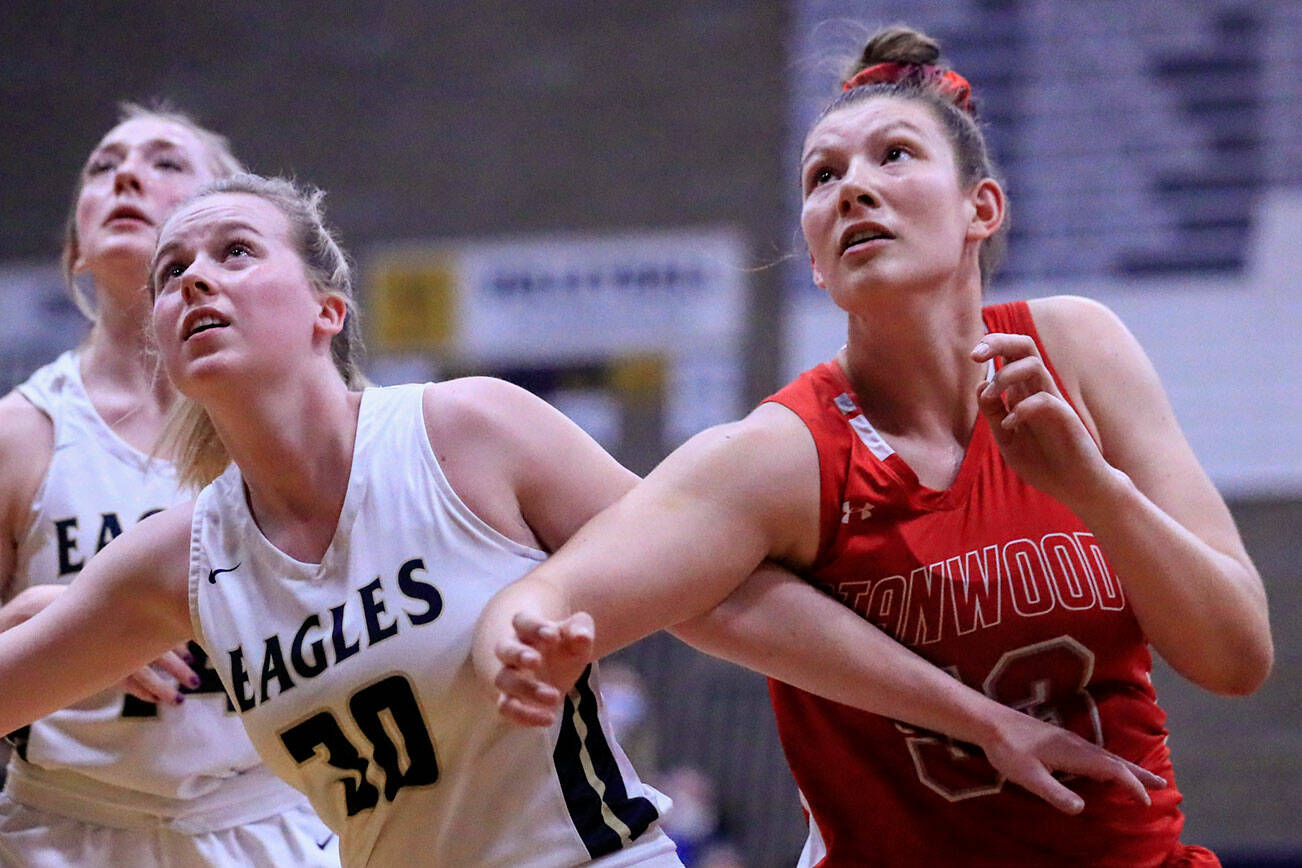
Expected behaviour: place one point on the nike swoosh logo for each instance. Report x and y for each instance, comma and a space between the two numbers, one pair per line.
321, 845
213, 574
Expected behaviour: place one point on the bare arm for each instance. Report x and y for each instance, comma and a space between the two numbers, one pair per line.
128, 606
26, 444
684, 538
1140, 490
682, 543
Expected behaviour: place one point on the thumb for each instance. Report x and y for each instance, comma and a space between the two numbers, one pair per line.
578, 633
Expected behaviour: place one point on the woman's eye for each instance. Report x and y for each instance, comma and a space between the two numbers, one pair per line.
895, 154
237, 248
821, 176
96, 167
169, 272
170, 165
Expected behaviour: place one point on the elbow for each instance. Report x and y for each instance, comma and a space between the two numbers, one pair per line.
714, 632
1252, 673
1246, 672
701, 632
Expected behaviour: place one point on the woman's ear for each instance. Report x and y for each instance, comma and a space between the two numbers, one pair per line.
331, 315
988, 209
818, 275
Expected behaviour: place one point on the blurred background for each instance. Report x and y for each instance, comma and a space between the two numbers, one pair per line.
599, 201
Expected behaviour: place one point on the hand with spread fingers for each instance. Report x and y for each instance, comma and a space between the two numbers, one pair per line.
540, 664
1037, 431
1029, 752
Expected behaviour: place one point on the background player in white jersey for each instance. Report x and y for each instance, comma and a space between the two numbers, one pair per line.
163, 774
336, 570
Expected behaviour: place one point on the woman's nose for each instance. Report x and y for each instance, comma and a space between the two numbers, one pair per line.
856, 189
126, 178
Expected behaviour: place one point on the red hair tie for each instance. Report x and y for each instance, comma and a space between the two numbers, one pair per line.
949, 82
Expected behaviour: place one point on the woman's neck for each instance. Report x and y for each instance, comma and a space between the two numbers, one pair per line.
910, 363
293, 441
120, 371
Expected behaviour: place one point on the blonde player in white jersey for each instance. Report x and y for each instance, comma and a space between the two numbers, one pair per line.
163, 774
334, 573
337, 568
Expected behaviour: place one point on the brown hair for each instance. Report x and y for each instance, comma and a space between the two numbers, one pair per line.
904, 45
189, 436
220, 160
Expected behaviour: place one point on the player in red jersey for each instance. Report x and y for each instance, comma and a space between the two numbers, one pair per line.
1004, 490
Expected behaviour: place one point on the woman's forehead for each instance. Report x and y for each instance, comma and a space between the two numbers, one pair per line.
871, 114
217, 210
150, 129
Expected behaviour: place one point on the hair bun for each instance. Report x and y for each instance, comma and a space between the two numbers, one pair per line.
897, 44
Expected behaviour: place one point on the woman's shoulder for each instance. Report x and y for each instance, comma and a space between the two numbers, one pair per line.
1073, 320
26, 446
479, 407
21, 421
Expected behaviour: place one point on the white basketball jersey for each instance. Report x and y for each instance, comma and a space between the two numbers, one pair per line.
354, 680
113, 746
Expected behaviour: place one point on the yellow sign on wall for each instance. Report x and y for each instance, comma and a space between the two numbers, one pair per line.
411, 304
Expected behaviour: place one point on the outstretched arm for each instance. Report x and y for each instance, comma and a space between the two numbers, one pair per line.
778, 624
647, 564
1137, 485
128, 606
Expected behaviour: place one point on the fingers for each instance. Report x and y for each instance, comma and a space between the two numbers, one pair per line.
147, 684
578, 635
574, 636
535, 631
1150, 780
539, 663
1037, 408
1011, 347
524, 697
1084, 758
1039, 782
1020, 378
524, 714
175, 666
1112, 769
527, 687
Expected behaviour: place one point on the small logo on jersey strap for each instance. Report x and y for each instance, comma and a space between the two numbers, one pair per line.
321, 845
213, 574
865, 511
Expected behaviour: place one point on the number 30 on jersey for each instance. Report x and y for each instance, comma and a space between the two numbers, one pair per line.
380, 711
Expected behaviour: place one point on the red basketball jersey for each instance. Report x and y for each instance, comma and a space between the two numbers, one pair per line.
1007, 590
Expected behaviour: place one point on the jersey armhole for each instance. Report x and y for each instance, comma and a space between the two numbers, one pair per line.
195, 564
828, 497
1017, 315
454, 501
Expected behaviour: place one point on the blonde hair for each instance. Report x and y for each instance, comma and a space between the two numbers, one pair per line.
189, 437
221, 162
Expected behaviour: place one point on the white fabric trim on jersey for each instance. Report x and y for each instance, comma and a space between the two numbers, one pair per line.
867, 433
67, 366
245, 798
862, 427
614, 823
815, 850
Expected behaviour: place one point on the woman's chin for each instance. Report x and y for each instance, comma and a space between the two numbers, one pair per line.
204, 377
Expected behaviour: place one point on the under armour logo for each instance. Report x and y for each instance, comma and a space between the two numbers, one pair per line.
864, 511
